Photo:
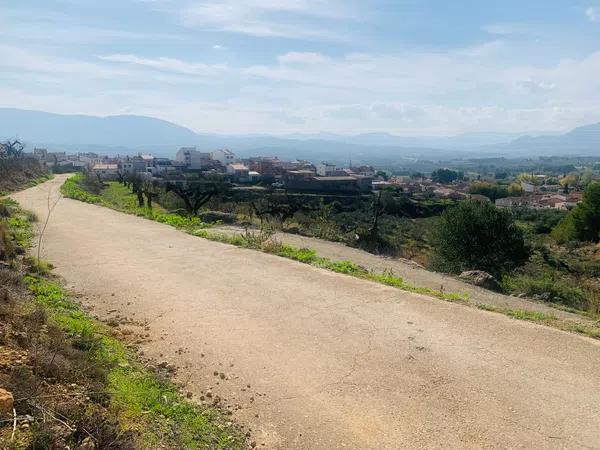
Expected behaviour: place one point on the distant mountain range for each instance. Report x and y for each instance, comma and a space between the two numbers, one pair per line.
465, 140
131, 134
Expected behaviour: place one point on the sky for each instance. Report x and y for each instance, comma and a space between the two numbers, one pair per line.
407, 67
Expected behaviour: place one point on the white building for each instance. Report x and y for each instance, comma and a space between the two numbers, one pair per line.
106, 171
239, 172
225, 157
325, 169
192, 158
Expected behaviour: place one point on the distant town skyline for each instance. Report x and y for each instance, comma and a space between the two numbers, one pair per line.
405, 67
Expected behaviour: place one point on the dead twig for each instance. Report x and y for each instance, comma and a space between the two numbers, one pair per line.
14, 430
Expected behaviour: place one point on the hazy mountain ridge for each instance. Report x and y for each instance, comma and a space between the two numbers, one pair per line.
128, 134
127, 131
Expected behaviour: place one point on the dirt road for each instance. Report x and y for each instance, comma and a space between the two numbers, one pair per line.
411, 273
317, 360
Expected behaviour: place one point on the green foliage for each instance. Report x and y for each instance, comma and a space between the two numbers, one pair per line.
495, 191
491, 191
345, 267
72, 188
583, 222
382, 174
303, 255
478, 236
549, 287
446, 176
540, 221
16, 231
520, 314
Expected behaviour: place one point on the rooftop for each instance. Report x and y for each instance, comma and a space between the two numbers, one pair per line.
106, 167
335, 178
238, 166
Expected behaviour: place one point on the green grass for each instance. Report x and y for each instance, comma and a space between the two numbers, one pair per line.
39, 180
145, 403
585, 330
72, 189
21, 231
532, 316
520, 314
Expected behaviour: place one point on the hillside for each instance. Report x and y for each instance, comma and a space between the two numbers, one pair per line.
126, 131
583, 141
129, 134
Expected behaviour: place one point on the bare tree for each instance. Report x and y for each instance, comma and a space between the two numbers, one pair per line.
14, 148
150, 190
197, 191
278, 207
135, 181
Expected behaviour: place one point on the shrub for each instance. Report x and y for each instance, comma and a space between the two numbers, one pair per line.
549, 287
583, 223
491, 191
478, 236
15, 173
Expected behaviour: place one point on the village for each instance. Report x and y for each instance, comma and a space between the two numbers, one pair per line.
535, 191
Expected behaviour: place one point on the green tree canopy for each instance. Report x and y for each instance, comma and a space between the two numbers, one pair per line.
491, 191
446, 176
583, 223
478, 236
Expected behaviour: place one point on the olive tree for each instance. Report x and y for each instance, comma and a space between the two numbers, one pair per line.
478, 236
196, 191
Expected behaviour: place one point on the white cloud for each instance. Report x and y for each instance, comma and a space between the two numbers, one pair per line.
536, 87
431, 92
406, 92
168, 64
593, 14
306, 19
27, 60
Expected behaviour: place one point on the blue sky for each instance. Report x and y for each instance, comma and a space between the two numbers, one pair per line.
410, 67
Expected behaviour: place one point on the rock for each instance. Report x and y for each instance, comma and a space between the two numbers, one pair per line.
217, 216
481, 279
6, 403
87, 444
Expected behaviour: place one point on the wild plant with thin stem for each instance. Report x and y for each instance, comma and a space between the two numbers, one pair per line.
50, 205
